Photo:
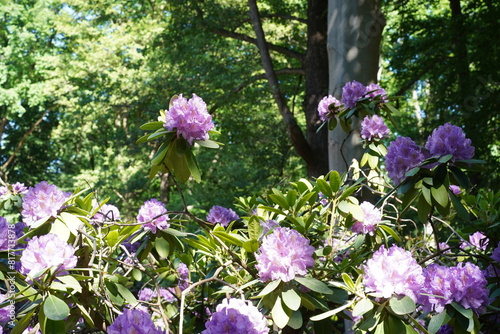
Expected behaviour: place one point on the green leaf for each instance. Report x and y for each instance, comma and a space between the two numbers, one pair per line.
324, 187
152, 126
440, 195
334, 178
208, 143
193, 166
314, 285
363, 306
160, 154
251, 246
402, 305
393, 324
126, 294
229, 237
280, 316
280, 200
296, 320
348, 282
270, 287
389, 230
459, 207
162, 247
291, 299
436, 322
328, 314
55, 309
55, 327
70, 282
254, 228
332, 123
424, 209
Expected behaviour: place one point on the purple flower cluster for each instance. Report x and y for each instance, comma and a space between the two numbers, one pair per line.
352, 92
284, 254
236, 316
372, 90
190, 118
47, 252
478, 240
183, 271
450, 139
373, 128
464, 284
107, 213
402, 155
372, 218
146, 294
393, 271
17, 188
221, 215
133, 321
323, 107
9, 233
153, 215
41, 202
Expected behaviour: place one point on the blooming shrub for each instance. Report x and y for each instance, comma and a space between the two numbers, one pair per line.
302, 252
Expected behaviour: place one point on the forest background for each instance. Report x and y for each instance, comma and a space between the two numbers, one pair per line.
78, 78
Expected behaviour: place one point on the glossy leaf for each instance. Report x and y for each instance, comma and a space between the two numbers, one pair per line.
55, 308
291, 299
402, 305
280, 316
314, 284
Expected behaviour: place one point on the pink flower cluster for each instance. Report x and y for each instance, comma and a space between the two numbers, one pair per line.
48, 251
372, 217
284, 254
190, 118
41, 202
373, 128
236, 316
324, 111
393, 271
107, 213
153, 215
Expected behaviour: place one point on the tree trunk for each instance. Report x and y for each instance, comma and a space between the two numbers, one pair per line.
315, 66
354, 36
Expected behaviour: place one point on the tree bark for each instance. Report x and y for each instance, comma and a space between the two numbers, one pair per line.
354, 36
316, 84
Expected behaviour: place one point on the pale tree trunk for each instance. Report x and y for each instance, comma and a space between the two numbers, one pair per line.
354, 35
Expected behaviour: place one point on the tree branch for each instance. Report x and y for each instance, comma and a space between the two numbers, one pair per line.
21, 142
295, 132
292, 71
242, 37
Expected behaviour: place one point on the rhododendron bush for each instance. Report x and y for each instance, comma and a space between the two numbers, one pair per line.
399, 244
